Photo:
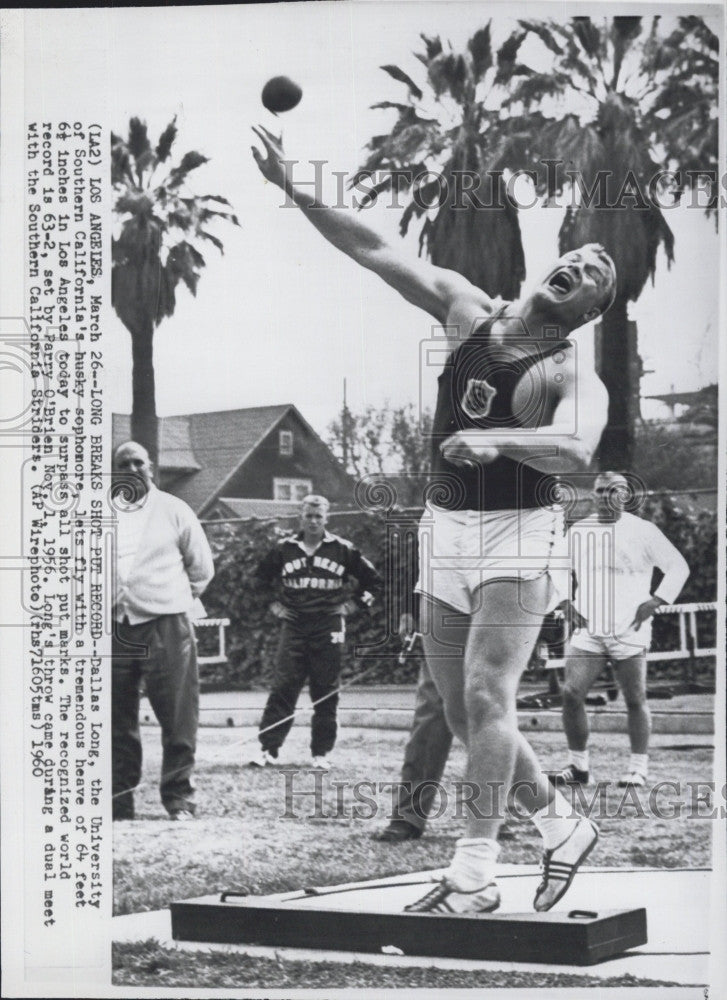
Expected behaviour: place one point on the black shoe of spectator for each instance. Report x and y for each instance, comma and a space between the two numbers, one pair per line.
570, 775
122, 807
398, 831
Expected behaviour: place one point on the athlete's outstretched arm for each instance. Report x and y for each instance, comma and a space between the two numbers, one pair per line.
432, 288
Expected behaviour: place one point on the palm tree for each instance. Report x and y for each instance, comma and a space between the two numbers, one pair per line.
453, 126
646, 102
160, 230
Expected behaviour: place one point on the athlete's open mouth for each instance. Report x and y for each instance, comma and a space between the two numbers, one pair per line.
562, 282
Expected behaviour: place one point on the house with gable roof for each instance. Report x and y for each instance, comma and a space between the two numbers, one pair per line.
254, 462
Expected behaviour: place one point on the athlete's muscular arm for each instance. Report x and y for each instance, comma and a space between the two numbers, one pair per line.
564, 445
434, 289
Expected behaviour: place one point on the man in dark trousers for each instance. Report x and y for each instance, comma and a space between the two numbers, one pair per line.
430, 738
313, 567
425, 757
162, 564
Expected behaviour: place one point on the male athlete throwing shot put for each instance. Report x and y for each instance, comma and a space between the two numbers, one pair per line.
515, 407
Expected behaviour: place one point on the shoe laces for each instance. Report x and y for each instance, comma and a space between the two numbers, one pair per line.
557, 870
432, 898
545, 870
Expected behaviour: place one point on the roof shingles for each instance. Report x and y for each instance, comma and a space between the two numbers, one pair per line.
211, 445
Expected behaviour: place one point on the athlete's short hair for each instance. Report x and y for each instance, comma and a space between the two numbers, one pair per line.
609, 293
314, 500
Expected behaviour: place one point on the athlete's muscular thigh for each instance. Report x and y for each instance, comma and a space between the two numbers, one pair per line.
502, 634
444, 636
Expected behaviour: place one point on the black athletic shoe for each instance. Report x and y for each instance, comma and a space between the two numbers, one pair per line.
632, 779
570, 775
398, 831
561, 863
444, 899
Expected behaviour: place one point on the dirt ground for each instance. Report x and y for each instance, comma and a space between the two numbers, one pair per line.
276, 829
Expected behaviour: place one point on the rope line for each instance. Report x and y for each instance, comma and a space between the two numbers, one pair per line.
288, 718
663, 609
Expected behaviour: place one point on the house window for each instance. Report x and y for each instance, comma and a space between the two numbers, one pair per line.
285, 442
291, 489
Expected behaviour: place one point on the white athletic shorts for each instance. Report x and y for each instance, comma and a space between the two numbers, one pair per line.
615, 647
460, 550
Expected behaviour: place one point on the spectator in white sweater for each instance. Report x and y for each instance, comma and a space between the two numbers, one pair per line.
163, 563
614, 558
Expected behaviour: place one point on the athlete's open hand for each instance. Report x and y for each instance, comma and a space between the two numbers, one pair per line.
468, 447
271, 165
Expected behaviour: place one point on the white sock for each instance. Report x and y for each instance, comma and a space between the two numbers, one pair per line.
579, 759
473, 864
556, 821
640, 763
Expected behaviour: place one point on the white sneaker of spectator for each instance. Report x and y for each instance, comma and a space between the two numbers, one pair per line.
325, 761
261, 758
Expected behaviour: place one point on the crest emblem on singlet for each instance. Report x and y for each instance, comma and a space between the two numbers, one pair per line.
477, 400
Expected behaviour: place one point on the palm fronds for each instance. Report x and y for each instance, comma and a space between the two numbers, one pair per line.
161, 225
443, 132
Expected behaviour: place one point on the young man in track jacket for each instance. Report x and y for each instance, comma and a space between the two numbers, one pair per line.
312, 568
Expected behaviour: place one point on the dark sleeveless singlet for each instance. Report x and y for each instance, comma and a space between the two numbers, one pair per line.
475, 392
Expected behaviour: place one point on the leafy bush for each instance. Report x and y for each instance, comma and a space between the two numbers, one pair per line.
235, 594
672, 458
694, 532
372, 642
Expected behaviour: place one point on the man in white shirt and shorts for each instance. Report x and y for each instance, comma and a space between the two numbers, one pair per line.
614, 557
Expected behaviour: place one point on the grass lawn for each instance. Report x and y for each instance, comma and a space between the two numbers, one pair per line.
243, 837
146, 964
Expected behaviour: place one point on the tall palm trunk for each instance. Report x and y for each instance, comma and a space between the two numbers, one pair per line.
143, 410
618, 365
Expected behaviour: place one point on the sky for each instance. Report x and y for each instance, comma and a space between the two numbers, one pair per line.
283, 317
